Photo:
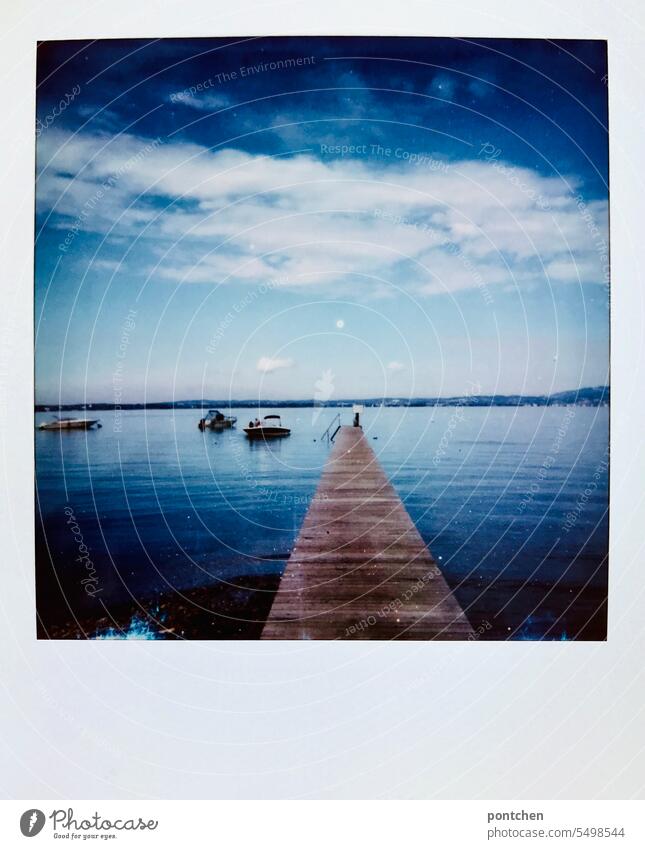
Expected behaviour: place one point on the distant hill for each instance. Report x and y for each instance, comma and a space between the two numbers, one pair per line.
595, 396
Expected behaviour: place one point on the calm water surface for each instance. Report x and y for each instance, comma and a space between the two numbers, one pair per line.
511, 501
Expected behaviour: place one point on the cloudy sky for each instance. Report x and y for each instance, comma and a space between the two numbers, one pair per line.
327, 217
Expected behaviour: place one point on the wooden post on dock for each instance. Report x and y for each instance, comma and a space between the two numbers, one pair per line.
359, 568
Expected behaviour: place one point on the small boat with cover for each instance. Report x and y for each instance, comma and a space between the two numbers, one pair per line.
216, 421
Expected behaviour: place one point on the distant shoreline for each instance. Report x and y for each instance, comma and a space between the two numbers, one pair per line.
597, 396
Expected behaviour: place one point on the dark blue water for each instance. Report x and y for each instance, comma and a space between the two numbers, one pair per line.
512, 502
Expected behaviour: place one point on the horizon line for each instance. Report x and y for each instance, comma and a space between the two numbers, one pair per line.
231, 402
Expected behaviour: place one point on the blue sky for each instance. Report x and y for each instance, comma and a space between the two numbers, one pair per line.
266, 217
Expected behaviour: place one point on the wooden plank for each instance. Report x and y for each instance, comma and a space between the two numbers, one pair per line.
359, 568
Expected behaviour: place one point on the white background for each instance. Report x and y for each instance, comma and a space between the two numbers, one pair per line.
201, 720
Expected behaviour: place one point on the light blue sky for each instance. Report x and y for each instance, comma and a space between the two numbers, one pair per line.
427, 218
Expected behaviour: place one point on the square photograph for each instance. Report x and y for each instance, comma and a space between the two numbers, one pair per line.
322, 339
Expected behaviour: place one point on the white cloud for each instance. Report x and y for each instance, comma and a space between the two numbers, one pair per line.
360, 223
269, 364
107, 265
203, 102
395, 366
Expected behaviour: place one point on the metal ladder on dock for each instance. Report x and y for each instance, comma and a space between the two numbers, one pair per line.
328, 434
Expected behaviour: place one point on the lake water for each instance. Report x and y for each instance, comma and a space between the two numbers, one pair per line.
511, 501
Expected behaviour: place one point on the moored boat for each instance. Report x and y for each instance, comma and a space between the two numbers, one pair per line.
216, 421
267, 429
69, 424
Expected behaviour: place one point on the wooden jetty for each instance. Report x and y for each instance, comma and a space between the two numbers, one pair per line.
359, 568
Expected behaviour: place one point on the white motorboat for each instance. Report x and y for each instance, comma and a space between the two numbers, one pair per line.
267, 429
69, 424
